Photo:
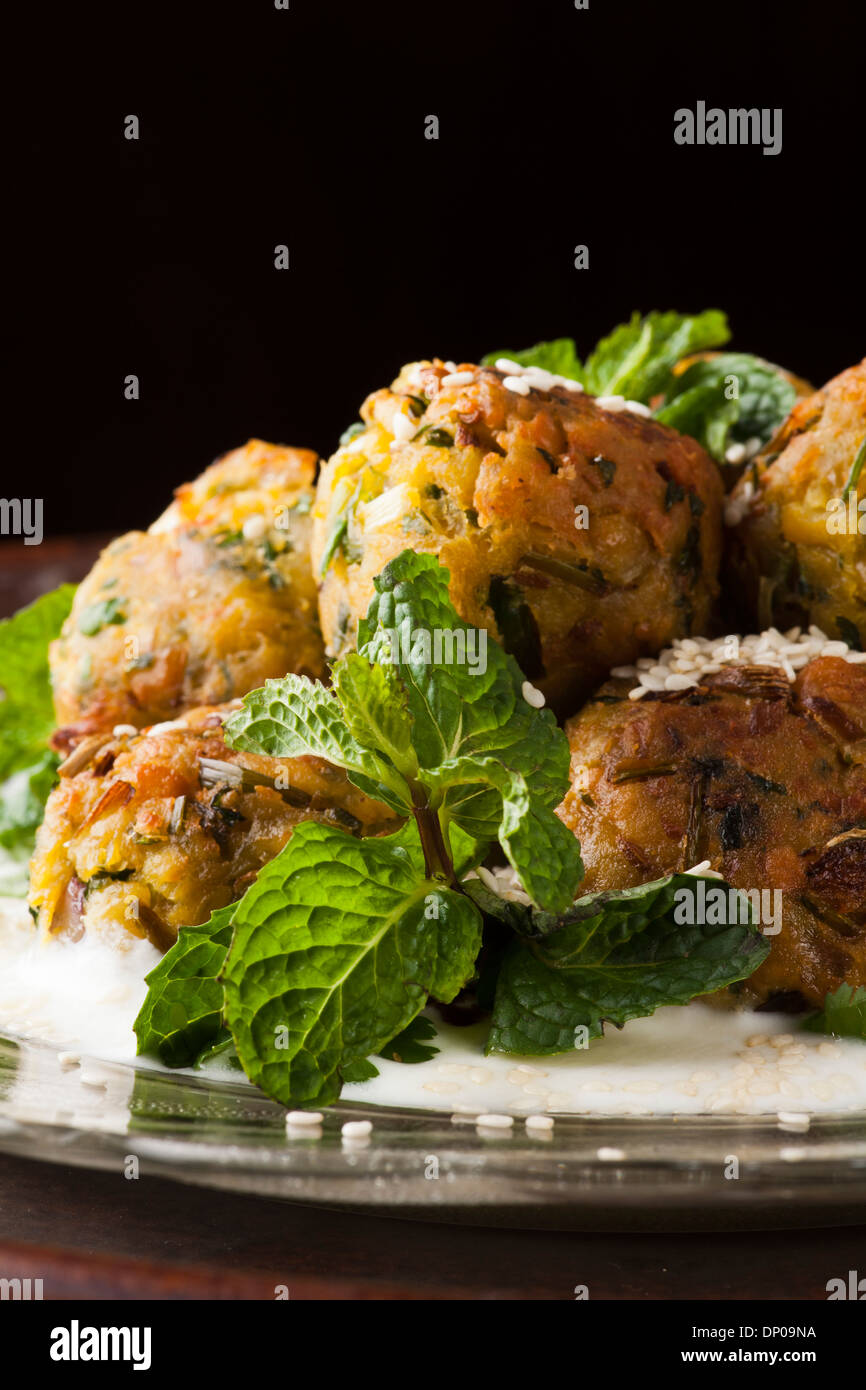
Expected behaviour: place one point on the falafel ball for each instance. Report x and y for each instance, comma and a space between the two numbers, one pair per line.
764, 778
205, 606
798, 543
579, 534
153, 831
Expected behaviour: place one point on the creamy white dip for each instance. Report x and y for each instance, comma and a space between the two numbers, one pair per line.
82, 998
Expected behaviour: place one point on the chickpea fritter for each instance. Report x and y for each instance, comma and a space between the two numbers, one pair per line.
798, 550
579, 536
212, 601
153, 831
764, 778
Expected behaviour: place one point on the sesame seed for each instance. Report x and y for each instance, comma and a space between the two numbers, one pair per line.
356, 1129
531, 695
695, 658
735, 453
793, 1119
495, 1121
450, 367
505, 364
303, 1119
541, 1122
458, 378
167, 726
610, 1155
515, 384
91, 1076
68, 1059
611, 402
124, 730
254, 528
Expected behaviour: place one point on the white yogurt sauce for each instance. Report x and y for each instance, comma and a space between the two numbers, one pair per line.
82, 998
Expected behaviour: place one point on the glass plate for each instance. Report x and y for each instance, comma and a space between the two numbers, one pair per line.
618, 1174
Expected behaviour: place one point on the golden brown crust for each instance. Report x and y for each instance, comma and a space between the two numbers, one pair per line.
141, 834
798, 555
197, 610
492, 486
766, 780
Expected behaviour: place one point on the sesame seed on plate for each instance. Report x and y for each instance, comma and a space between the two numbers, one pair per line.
304, 1119
608, 1155
793, 1119
356, 1129
540, 1122
495, 1121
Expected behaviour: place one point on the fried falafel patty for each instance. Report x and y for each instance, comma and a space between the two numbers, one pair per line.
580, 536
764, 778
208, 604
798, 544
152, 831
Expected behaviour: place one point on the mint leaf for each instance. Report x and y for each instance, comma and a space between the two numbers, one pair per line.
543, 852
181, 1017
26, 705
27, 767
336, 947
843, 1014
559, 356
699, 402
613, 957
489, 762
413, 1044
637, 359
294, 716
375, 710
457, 708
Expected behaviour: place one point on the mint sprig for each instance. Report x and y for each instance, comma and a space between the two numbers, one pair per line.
332, 953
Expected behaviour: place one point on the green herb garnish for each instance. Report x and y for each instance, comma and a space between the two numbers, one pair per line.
107, 612
843, 1014
27, 766
333, 952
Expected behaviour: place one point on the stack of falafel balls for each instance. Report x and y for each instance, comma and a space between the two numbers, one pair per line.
598, 547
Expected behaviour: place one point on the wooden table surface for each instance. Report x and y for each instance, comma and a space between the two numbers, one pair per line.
94, 1235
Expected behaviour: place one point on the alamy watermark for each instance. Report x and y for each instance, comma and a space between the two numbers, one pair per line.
713, 905
22, 516
735, 126
443, 646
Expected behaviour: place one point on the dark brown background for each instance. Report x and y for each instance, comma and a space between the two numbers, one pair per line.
306, 127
